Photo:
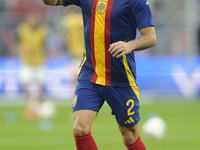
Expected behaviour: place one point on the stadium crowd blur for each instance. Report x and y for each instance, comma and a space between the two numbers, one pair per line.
169, 15
13, 13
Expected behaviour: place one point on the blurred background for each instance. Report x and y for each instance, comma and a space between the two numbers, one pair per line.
168, 76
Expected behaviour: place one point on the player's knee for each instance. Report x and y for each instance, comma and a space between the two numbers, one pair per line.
129, 135
80, 130
128, 139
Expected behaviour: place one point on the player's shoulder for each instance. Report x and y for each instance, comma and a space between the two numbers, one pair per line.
22, 27
139, 2
139, 5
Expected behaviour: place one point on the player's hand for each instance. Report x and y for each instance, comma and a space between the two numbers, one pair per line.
120, 48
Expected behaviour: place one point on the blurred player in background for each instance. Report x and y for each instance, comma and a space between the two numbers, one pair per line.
73, 25
108, 71
31, 35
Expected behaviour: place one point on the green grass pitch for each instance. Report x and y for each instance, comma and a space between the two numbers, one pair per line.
182, 119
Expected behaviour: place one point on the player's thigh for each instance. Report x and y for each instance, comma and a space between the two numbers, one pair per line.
26, 74
87, 97
124, 103
83, 120
39, 74
86, 104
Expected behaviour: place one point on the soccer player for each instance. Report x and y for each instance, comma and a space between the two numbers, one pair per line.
31, 35
108, 71
73, 25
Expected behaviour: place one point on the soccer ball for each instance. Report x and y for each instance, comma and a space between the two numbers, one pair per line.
154, 128
47, 110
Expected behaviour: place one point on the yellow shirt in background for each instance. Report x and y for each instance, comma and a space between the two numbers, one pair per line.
32, 43
75, 37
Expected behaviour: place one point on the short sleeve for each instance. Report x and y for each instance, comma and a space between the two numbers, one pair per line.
72, 2
142, 13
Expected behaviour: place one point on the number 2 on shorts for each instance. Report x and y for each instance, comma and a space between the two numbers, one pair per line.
130, 103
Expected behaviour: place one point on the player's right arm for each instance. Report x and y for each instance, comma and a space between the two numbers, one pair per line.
53, 2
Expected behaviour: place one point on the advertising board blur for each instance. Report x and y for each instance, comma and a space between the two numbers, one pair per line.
160, 76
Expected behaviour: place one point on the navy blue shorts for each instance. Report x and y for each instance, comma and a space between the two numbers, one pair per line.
122, 100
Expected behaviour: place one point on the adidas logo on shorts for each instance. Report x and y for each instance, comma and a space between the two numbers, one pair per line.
130, 120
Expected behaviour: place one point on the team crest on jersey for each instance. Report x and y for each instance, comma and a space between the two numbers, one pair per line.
75, 100
101, 7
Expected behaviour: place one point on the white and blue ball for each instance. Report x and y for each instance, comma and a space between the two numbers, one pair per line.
154, 128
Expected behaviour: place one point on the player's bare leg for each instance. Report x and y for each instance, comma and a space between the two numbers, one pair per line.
131, 138
33, 102
83, 120
129, 135
31, 109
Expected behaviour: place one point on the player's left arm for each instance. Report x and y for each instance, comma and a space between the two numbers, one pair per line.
147, 40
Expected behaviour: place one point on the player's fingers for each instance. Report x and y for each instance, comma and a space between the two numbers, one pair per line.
117, 52
120, 55
122, 52
117, 49
113, 47
110, 48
